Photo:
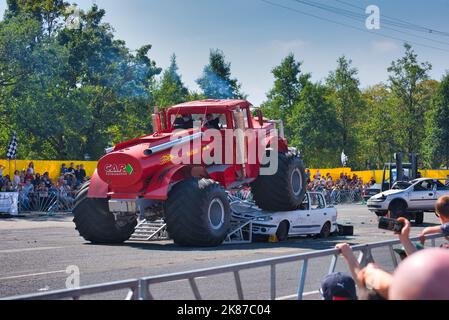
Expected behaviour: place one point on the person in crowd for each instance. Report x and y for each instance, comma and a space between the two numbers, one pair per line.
71, 169
1, 170
308, 175
427, 269
64, 193
37, 180
31, 167
17, 180
78, 175
318, 174
338, 286
83, 174
29, 175
63, 170
355, 269
26, 194
442, 211
46, 180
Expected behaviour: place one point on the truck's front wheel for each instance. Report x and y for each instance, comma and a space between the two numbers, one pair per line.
283, 191
197, 213
95, 223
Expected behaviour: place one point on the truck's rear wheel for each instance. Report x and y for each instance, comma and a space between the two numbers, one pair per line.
96, 223
283, 191
197, 213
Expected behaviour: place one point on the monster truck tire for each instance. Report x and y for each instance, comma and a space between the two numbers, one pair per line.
96, 224
283, 191
198, 213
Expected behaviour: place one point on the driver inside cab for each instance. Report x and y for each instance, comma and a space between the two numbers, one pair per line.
211, 122
184, 122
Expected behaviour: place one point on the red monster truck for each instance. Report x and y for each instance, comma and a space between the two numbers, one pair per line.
142, 177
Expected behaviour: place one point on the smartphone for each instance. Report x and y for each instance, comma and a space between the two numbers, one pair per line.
391, 224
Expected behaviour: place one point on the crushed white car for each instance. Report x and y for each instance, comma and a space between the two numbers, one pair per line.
314, 217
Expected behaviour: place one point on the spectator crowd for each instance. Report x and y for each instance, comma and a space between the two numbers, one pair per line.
422, 274
352, 187
38, 192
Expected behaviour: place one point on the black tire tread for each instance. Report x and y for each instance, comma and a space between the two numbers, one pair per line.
272, 193
95, 223
186, 210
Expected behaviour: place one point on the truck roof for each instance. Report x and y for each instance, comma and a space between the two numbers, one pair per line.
209, 106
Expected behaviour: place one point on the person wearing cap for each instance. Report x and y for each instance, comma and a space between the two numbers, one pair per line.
338, 286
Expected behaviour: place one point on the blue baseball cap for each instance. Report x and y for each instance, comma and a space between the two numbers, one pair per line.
338, 286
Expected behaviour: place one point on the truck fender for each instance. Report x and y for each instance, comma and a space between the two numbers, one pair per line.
159, 186
97, 188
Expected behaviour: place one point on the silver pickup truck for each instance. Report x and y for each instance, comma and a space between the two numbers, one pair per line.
409, 199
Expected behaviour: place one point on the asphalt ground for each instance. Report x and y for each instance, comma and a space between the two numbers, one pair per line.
35, 253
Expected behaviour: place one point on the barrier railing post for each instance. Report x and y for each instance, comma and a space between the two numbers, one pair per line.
333, 264
238, 285
195, 290
273, 282
393, 256
144, 292
302, 280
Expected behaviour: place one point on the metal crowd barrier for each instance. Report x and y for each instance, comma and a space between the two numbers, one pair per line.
46, 202
139, 289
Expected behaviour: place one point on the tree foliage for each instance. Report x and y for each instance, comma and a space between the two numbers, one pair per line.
216, 81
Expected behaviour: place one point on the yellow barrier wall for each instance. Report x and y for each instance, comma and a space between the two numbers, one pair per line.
41, 166
54, 167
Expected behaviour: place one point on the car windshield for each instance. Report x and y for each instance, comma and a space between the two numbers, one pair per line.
401, 185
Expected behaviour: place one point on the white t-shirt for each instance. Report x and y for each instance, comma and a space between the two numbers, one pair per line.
16, 180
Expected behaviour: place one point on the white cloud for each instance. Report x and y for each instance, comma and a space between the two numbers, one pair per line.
385, 46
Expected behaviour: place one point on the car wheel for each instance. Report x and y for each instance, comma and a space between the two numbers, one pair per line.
282, 232
398, 209
326, 230
419, 218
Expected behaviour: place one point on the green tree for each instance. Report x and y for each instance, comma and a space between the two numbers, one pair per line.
72, 91
288, 82
315, 129
346, 96
406, 75
437, 141
216, 81
170, 90
378, 134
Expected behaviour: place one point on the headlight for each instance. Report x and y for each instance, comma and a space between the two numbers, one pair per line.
381, 199
265, 218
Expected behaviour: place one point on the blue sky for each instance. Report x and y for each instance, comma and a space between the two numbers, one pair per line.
255, 36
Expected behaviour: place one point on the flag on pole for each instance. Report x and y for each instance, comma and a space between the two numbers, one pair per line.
344, 159
12, 149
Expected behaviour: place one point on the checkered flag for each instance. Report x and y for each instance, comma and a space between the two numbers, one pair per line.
12, 149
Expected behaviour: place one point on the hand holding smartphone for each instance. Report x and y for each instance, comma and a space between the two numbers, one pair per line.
391, 225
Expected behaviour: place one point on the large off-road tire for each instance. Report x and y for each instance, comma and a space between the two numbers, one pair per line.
283, 191
95, 223
198, 213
